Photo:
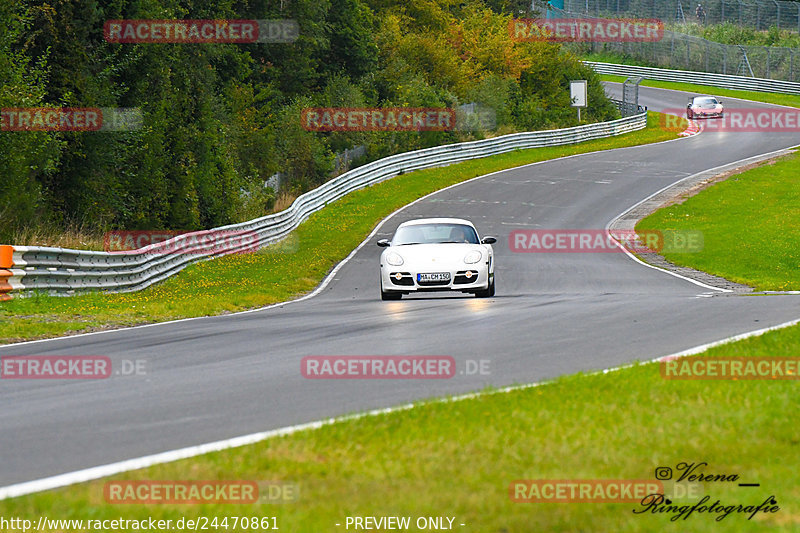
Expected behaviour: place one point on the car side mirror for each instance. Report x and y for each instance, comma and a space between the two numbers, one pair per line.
488, 240
383, 243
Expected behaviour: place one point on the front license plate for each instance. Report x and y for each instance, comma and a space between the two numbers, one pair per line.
434, 276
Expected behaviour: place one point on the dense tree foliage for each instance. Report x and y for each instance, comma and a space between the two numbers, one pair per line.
219, 119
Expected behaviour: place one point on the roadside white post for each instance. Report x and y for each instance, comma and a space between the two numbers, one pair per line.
578, 92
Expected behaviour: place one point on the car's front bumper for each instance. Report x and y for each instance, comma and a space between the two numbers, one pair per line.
408, 280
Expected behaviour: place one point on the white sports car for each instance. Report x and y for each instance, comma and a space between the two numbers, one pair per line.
437, 254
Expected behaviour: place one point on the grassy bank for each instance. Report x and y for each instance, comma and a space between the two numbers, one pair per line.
749, 224
277, 273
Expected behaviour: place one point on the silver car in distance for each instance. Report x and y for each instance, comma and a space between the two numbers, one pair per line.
437, 254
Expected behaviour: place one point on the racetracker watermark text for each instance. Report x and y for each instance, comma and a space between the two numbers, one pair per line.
741, 120
586, 30
384, 367
731, 368
169, 242
604, 241
378, 119
201, 31
67, 367
70, 119
194, 492
582, 490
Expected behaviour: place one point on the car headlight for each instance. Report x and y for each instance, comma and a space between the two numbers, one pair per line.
473, 257
394, 259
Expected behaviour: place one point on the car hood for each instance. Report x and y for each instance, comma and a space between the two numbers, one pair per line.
437, 252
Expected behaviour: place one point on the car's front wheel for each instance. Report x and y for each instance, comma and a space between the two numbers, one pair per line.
488, 292
689, 114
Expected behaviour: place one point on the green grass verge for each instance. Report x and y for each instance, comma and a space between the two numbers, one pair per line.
457, 459
277, 273
749, 224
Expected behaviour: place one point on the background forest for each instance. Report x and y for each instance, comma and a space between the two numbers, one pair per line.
220, 119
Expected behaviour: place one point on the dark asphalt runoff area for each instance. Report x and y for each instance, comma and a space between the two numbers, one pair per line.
215, 378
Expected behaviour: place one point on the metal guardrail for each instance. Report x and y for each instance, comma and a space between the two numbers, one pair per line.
61, 271
624, 107
681, 51
678, 50
726, 81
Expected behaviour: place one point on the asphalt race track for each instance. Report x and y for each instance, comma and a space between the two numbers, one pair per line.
214, 378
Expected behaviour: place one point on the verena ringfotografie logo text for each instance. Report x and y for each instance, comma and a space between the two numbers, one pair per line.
378, 367
70, 119
604, 241
201, 31
179, 242
378, 119
586, 30
738, 120
731, 368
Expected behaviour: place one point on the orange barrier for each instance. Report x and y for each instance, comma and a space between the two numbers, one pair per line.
6, 261
6, 256
5, 287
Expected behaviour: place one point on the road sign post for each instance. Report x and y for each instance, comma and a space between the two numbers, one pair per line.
578, 92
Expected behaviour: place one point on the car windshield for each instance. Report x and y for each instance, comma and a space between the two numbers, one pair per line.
434, 233
705, 102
